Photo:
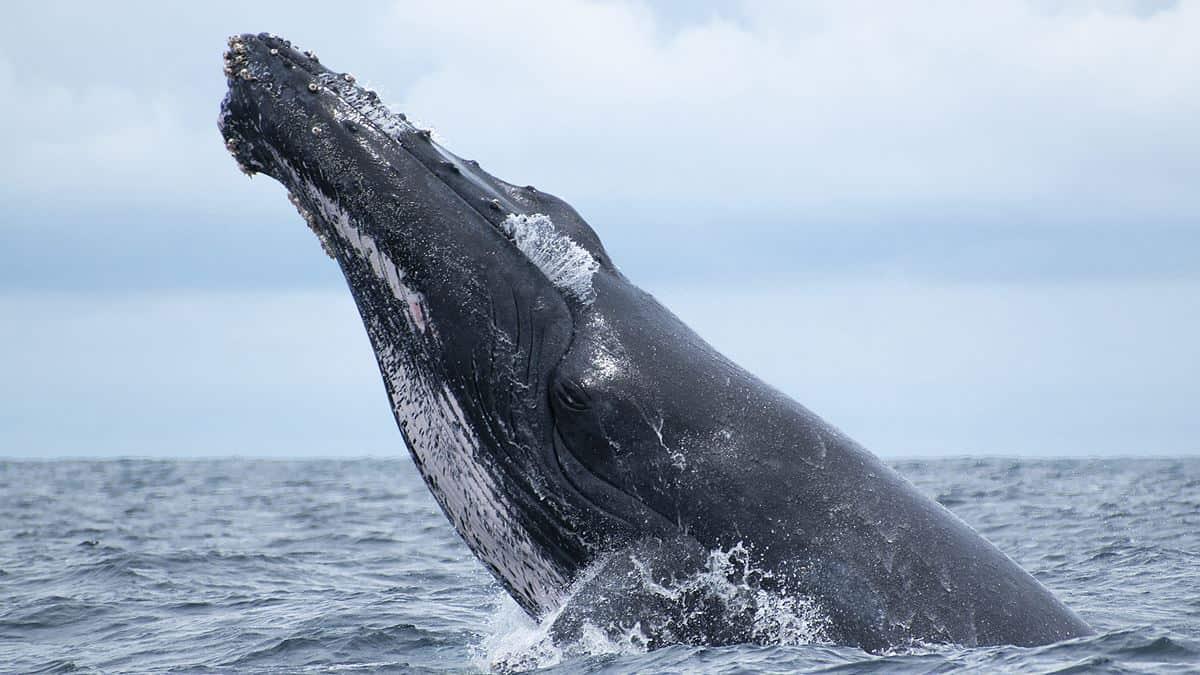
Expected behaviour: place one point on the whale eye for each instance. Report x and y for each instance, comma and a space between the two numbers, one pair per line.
570, 395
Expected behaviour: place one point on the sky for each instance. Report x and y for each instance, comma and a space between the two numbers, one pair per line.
948, 228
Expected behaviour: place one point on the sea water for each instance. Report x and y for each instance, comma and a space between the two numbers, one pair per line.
348, 565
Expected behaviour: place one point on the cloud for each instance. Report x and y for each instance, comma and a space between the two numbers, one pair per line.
102, 144
927, 138
824, 174
823, 107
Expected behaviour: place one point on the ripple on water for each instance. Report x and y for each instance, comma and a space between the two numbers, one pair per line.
277, 566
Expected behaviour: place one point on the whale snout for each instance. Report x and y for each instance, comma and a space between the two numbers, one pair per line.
283, 104
267, 76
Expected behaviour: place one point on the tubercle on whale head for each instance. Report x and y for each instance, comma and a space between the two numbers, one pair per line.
266, 59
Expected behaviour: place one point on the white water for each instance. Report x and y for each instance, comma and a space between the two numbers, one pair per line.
515, 642
565, 263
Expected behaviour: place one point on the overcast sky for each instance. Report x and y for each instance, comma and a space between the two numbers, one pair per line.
947, 227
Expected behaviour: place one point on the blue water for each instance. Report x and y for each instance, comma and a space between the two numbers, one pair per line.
322, 566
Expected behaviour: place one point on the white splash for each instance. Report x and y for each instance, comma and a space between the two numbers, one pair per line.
778, 617
517, 643
565, 263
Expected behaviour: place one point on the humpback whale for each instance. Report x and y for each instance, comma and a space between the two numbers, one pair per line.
594, 452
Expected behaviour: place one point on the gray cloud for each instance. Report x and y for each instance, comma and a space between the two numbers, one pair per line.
1002, 140
947, 227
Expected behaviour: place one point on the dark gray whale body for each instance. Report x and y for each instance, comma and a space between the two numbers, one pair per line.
584, 442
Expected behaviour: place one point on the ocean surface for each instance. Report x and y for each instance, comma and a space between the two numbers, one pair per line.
332, 566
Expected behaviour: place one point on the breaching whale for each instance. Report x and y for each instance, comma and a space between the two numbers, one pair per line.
583, 441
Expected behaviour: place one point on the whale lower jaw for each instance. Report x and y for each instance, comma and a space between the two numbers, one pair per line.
444, 444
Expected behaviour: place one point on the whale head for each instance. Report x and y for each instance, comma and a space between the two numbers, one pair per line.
469, 288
